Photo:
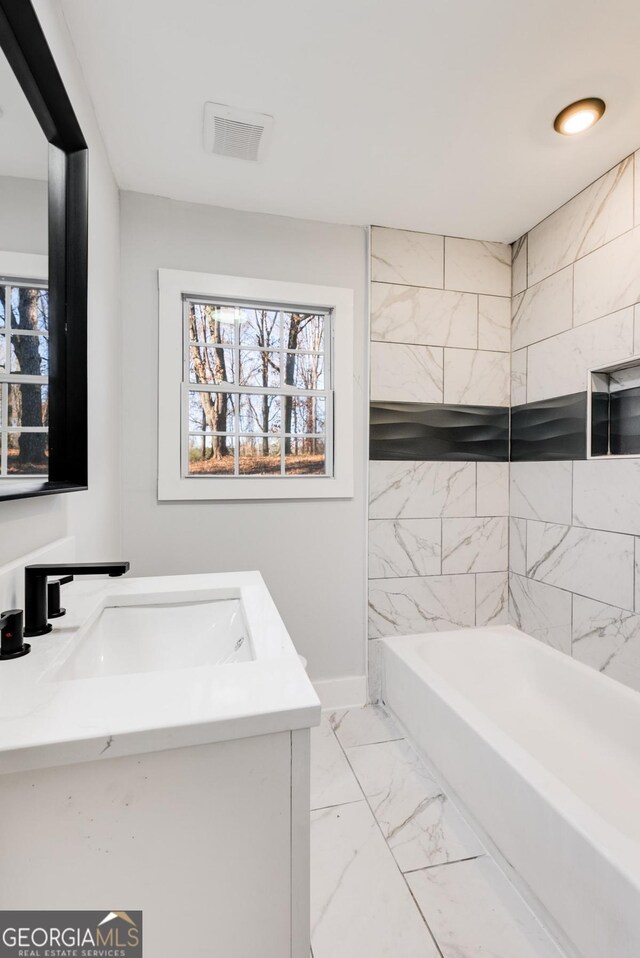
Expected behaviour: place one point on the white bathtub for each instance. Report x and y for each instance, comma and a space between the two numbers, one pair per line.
544, 755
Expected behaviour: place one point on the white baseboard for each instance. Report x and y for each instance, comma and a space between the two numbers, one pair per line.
347, 693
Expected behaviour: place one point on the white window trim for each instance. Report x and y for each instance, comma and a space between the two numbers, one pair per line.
25, 265
20, 266
172, 485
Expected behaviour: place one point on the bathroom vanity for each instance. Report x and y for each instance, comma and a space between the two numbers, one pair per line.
154, 756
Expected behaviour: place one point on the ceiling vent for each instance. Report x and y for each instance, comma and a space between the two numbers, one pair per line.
236, 133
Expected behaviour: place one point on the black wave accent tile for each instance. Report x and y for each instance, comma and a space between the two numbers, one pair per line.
431, 431
550, 429
624, 422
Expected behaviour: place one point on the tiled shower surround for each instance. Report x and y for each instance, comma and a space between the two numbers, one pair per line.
439, 549
438, 530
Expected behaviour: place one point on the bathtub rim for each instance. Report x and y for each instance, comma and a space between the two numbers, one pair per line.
622, 852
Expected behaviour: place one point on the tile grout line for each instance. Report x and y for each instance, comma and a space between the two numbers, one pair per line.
580, 595
323, 808
387, 846
458, 861
563, 332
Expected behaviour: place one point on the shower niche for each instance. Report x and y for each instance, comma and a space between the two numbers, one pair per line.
613, 410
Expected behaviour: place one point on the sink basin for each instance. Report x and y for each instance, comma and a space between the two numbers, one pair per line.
154, 636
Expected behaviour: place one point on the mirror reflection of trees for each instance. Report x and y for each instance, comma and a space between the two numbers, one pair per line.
273, 424
24, 360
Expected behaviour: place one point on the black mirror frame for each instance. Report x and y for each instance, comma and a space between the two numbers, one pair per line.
24, 44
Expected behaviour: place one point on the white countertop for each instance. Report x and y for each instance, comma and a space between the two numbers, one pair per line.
46, 722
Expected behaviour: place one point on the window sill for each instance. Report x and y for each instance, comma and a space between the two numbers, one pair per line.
254, 488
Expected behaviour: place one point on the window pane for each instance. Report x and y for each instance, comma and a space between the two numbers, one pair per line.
28, 405
210, 365
29, 308
259, 327
259, 368
211, 455
259, 456
29, 355
304, 331
304, 370
260, 413
212, 324
2, 296
211, 412
305, 414
3, 350
28, 453
304, 456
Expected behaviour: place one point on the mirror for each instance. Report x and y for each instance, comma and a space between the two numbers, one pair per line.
43, 268
24, 294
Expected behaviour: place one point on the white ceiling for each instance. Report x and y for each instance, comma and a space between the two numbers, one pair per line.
432, 115
24, 150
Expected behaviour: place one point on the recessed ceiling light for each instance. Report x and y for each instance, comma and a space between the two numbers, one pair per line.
579, 116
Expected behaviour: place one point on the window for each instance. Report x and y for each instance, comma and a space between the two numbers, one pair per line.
24, 377
259, 403
257, 398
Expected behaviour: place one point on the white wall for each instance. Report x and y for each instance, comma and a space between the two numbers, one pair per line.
23, 224
93, 517
311, 553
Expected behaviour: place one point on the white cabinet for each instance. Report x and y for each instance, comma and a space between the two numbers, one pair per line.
211, 842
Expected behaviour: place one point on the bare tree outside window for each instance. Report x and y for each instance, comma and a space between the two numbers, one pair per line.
258, 391
24, 369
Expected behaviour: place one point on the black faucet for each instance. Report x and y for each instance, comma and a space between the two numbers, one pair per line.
35, 588
11, 645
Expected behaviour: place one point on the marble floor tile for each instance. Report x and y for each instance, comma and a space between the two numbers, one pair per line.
360, 904
418, 821
332, 780
365, 726
474, 912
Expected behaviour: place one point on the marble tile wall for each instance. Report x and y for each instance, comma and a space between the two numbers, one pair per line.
574, 530
464, 322
438, 531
